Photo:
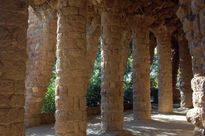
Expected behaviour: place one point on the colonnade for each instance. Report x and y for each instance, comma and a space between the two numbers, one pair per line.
76, 43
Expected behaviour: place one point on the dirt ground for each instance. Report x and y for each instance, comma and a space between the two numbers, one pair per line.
161, 125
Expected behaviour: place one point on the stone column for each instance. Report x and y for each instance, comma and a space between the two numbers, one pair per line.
112, 62
165, 94
153, 45
141, 68
71, 68
185, 72
13, 26
175, 66
41, 41
126, 40
93, 35
192, 15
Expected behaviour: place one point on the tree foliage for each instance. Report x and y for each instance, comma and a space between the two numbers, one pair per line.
49, 101
93, 92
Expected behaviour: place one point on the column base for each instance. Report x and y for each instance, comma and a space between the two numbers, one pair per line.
198, 132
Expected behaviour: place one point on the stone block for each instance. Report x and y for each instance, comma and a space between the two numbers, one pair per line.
194, 116
202, 20
187, 25
197, 5
77, 3
64, 127
198, 84
7, 87
64, 103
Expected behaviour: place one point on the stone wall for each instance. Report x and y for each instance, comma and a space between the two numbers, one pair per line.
192, 15
41, 44
13, 57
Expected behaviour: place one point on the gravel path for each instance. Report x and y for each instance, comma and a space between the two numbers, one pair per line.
161, 125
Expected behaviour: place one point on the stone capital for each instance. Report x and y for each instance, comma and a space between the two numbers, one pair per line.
140, 20
93, 23
43, 4
163, 30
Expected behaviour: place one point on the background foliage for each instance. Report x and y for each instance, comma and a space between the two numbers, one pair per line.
93, 93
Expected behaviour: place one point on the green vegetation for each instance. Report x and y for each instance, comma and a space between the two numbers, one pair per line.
154, 72
49, 101
93, 93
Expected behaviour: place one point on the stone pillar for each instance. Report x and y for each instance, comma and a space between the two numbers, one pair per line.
192, 15
112, 70
153, 45
185, 72
71, 68
195, 115
93, 35
13, 26
126, 40
165, 94
41, 41
141, 69
175, 66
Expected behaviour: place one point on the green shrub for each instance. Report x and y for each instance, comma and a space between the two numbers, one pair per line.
93, 92
49, 101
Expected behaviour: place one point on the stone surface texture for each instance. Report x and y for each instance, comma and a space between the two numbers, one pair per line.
92, 36
165, 95
191, 14
41, 46
114, 56
70, 29
175, 66
141, 68
13, 26
153, 45
185, 72
71, 70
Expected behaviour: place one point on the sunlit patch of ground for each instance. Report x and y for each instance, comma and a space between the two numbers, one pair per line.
161, 125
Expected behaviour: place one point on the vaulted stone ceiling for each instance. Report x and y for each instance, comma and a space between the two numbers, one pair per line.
163, 11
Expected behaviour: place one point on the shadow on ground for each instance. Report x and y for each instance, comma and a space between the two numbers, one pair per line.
161, 125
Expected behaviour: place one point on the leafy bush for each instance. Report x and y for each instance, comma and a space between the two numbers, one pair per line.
127, 79
93, 92
154, 72
49, 101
